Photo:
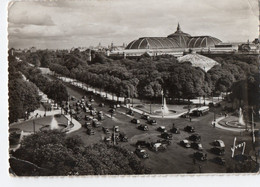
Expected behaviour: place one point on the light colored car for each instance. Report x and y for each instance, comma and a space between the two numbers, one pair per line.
219, 143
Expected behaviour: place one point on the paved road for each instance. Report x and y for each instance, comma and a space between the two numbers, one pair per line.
175, 159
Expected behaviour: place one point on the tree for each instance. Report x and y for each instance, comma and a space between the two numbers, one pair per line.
55, 154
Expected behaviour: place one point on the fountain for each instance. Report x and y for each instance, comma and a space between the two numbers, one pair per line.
241, 118
54, 124
165, 109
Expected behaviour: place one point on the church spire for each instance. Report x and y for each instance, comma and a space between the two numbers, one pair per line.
178, 27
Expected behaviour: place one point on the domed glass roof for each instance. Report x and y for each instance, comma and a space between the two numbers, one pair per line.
153, 43
202, 42
178, 39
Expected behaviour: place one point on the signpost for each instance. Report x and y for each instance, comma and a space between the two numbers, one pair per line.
243, 144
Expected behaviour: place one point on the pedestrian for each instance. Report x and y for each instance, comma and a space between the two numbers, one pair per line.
190, 119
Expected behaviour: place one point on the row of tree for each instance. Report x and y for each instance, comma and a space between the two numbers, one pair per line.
23, 95
146, 77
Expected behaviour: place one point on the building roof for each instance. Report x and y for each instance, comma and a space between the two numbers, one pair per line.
197, 60
153, 43
178, 39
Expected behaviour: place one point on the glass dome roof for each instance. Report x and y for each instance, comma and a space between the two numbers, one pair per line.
178, 39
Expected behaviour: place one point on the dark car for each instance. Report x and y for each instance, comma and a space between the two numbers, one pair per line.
195, 137
116, 128
87, 124
123, 137
162, 129
189, 129
197, 145
88, 118
100, 117
145, 116
152, 122
77, 118
163, 141
90, 131
142, 143
106, 131
96, 123
220, 161
112, 111
185, 143
130, 112
136, 121
141, 153
200, 156
166, 136
101, 104
143, 127
113, 106
217, 151
175, 130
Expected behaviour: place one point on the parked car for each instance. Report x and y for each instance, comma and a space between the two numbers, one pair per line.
200, 156
163, 141
145, 116
142, 143
175, 130
189, 129
123, 137
93, 112
158, 147
217, 151
185, 143
220, 161
143, 127
116, 128
195, 137
152, 121
197, 145
101, 104
130, 112
88, 118
100, 117
166, 136
141, 153
86, 109
106, 130
96, 123
219, 143
87, 124
91, 100
90, 131
136, 121
78, 118
162, 129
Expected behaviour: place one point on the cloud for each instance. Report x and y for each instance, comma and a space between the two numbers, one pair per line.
72, 23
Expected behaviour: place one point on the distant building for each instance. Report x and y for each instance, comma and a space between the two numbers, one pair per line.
33, 49
177, 44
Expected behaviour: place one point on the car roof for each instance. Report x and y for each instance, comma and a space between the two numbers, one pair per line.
185, 141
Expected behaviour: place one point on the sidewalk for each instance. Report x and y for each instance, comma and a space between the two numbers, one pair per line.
76, 124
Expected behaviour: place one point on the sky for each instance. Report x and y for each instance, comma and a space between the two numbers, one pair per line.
66, 24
